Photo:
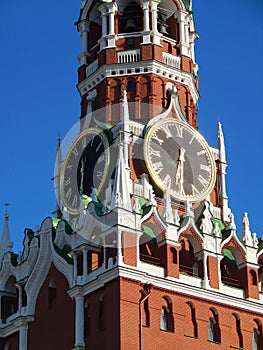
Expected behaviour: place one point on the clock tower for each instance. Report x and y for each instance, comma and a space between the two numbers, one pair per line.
146, 254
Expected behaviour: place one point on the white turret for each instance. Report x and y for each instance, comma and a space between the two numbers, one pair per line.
246, 233
222, 169
5, 244
125, 129
121, 194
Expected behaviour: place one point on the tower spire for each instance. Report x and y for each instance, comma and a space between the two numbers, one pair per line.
5, 240
125, 127
121, 194
222, 170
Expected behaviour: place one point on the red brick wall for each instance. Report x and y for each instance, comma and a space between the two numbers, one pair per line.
182, 337
106, 338
12, 341
53, 326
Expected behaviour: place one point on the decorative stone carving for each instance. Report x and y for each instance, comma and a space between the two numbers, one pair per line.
206, 222
246, 233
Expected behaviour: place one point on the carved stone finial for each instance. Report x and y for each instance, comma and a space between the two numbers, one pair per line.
254, 240
206, 222
167, 209
188, 210
137, 206
94, 194
216, 231
231, 225
246, 233
108, 195
176, 218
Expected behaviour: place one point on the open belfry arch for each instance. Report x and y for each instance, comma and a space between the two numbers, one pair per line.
143, 251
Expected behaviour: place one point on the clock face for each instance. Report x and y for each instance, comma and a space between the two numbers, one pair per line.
85, 167
178, 158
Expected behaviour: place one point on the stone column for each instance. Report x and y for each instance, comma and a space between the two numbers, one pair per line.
23, 337
83, 27
205, 278
146, 22
103, 11
183, 36
156, 37
111, 34
79, 321
145, 7
85, 262
75, 267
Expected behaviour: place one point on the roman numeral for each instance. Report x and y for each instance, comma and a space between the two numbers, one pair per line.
101, 158
83, 142
157, 167
166, 130
179, 129
98, 147
68, 194
167, 180
75, 201
202, 180
99, 175
67, 182
155, 137
69, 166
153, 152
75, 152
193, 137
205, 167
201, 152
195, 191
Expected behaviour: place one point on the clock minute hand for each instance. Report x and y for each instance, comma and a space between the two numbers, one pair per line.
82, 174
179, 176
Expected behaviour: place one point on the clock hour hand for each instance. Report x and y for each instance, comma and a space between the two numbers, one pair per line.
179, 175
82, 174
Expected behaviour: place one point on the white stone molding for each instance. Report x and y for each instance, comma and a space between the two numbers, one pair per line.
137, 68
239, 247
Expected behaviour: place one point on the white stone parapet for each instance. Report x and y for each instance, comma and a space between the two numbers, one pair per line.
129, 56
91, 68
171, 60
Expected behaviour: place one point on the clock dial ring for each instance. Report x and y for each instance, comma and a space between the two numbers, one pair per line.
85, 166
177, 156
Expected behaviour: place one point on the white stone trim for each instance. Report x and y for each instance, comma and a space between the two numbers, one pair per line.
138, 68
172, 284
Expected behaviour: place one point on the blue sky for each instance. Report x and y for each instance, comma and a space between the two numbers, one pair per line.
39, 100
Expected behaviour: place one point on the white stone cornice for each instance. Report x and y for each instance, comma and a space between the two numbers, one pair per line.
172, 284
138, 68
8, 329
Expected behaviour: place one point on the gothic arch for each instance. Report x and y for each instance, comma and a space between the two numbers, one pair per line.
130, 16
94, 18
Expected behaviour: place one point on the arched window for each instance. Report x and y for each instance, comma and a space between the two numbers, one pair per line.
257, 337
253, 278
238, 330
192, 330
87, 323
131, 18
229, 269
9, 301
166, 317
52, 292
188, 263
144, 305
214, 333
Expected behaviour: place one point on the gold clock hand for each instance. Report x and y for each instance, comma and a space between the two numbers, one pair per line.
179, 176
82, 174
